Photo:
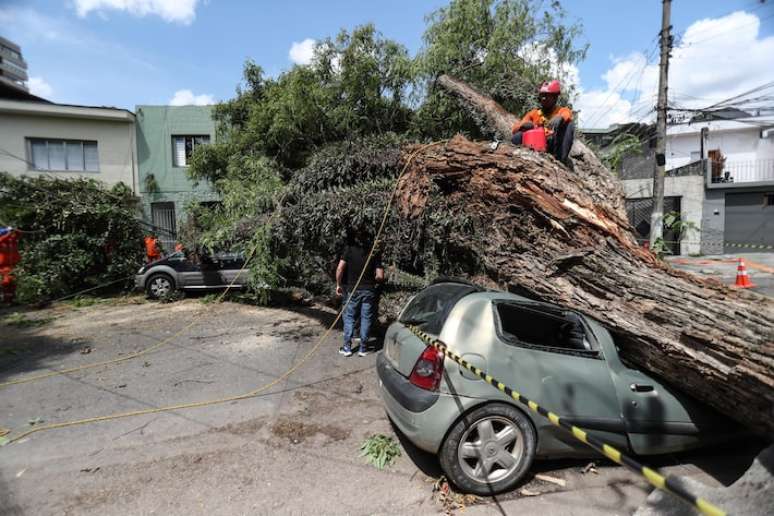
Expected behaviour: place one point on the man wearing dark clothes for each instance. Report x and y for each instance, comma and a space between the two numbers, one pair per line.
362, 301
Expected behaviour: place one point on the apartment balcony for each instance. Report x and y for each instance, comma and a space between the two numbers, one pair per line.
730, 174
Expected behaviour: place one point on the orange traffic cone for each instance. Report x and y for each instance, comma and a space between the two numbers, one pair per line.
742, 279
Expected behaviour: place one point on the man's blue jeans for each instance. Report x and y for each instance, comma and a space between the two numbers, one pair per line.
363, 303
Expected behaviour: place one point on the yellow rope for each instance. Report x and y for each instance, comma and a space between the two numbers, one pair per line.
145, 351
98, 364
255, 392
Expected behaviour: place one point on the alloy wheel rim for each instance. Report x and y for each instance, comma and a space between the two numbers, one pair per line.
160, 286
491, 449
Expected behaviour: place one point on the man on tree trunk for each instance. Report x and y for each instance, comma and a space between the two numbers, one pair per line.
555, 120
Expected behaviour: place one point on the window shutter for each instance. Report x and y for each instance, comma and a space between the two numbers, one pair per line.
74, 156
91, 156
180, 151
39, 154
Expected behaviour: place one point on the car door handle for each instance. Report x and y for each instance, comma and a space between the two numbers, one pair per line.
639, 387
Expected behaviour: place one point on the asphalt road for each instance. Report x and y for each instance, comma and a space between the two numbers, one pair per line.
760, 268
292, 450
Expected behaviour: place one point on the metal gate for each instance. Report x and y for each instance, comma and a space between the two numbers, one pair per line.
163, 217
749, 222
639, 212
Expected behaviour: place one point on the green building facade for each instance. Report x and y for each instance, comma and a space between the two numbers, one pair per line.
166, 136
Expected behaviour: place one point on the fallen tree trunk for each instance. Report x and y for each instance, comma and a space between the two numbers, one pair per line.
562, 236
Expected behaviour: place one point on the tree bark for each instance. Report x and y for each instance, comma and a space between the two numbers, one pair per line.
562, 236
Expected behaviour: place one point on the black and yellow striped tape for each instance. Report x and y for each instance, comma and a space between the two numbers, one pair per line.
653, 477
749, 246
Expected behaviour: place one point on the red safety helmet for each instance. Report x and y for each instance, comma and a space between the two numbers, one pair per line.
550, 87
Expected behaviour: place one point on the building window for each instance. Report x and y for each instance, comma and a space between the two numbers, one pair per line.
14, 67
183, 147
164, 224
768, 199
63, 155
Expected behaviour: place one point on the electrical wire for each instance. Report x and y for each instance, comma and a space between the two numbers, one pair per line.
255, 392
600, 111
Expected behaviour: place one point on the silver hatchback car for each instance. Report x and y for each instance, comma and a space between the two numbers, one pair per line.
563, 360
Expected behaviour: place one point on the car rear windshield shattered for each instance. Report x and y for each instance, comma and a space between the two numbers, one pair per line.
430, 308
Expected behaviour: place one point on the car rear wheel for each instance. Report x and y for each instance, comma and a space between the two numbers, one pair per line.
159, 286
489, 450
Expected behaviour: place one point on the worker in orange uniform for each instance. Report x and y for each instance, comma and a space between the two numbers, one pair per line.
557, 121
152, 248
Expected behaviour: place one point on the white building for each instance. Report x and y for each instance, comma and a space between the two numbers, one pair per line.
742, 150
39, 137
719, 177
737, 157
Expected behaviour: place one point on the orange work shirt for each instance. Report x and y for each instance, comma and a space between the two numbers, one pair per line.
151, 248
537, 117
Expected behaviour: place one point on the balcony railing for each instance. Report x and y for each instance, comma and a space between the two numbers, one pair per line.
755, 171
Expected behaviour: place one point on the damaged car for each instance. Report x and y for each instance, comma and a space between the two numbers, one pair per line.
192, 272
563, 360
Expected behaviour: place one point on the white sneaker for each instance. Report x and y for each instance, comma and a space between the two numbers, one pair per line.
362, 353
345, 352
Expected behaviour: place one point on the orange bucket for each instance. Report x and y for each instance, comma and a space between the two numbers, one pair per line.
535, 139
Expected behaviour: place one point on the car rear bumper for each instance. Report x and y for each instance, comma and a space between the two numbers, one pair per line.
408, 395
422, 416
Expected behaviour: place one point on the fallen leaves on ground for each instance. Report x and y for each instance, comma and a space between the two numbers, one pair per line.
449, 499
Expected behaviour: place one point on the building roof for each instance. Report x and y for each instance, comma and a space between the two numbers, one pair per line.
49, 109
11, 91
752, 123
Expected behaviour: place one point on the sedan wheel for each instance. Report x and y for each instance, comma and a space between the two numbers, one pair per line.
489, 450
160, 286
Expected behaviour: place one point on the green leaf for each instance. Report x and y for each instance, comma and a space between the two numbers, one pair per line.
380, 450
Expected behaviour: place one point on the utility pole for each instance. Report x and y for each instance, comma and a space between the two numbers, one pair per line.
657, 217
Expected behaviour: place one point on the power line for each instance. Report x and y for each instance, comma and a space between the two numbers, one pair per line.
729, 101
14, 156
599, 112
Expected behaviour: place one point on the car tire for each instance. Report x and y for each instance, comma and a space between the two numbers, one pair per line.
489, 449
159, 286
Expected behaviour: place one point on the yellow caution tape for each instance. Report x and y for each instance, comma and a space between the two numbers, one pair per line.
655, 478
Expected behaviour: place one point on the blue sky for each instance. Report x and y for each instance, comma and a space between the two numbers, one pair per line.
129, 52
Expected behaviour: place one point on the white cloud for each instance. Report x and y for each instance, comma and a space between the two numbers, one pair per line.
177, 11
538, 55
716, 59
40, 87
302, 52
187, 98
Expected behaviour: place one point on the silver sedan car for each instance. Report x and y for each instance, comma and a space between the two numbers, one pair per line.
565, 361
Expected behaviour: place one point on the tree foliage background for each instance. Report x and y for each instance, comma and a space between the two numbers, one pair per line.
77, 234
302, 157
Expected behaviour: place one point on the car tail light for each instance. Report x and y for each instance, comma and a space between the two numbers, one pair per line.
428, 369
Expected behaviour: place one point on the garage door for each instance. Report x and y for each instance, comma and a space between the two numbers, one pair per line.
749, 222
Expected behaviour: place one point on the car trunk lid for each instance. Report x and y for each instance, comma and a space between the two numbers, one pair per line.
402, 348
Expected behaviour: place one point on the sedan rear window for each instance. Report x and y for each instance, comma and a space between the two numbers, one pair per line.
430, 308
